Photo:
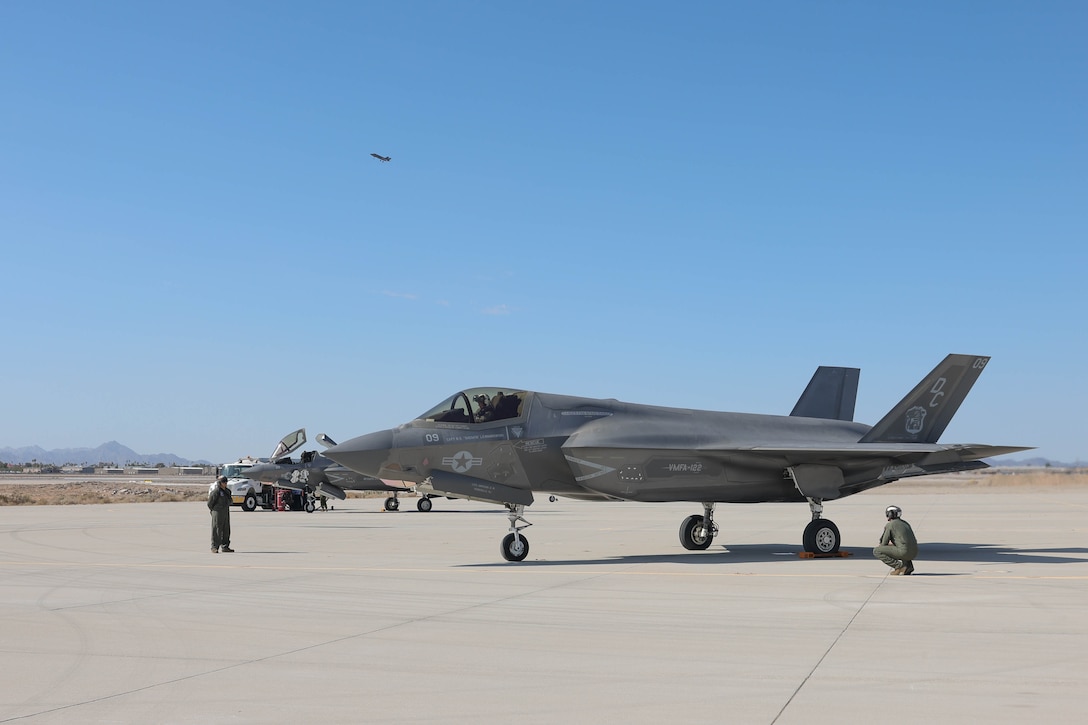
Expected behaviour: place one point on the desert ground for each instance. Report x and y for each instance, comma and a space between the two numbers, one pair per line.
117, 613
64, 490
60, 489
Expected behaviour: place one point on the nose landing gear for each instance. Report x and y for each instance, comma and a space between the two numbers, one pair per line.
515, 547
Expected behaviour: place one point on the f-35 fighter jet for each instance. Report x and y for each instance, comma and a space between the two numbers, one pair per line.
381, 158
313, 472
502, 445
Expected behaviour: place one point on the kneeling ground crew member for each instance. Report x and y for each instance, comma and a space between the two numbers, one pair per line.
898, 547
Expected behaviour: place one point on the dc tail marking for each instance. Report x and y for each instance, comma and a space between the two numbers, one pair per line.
923, 415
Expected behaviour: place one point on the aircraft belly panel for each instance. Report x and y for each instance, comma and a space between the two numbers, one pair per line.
670, 475
716, 491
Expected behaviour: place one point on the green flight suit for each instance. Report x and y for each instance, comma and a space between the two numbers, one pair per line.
219, 505
898, 547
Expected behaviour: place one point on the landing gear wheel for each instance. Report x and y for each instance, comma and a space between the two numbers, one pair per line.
821, 537
694, 535
310, 506
515, 548
392, 504
249, 503
424, 504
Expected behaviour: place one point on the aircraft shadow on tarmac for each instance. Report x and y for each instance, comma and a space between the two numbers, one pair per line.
411, 512
996, 554
765, 553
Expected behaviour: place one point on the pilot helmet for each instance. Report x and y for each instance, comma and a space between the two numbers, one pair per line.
893, 512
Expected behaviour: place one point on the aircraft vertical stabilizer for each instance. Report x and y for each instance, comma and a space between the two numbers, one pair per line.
922, 416
831, 394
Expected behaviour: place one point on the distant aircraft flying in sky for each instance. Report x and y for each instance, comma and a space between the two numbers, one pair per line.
381, 158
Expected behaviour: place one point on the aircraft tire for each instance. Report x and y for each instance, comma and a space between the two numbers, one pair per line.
692, 534
515, 551
310, 506
424, 504
391, 504
249, 503
821, 537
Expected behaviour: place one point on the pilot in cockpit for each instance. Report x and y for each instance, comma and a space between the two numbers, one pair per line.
484, 409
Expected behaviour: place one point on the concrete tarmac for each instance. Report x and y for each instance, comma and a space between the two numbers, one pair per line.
121, 614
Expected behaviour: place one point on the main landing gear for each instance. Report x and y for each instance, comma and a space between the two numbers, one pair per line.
697, 532
423, 504
821, 535
515, 547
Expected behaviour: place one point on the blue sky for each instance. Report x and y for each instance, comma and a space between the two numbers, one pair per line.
689, 204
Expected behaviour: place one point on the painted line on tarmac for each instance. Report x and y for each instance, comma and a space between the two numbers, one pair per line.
530, 569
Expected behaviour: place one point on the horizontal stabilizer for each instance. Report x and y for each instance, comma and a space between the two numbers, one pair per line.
830, 394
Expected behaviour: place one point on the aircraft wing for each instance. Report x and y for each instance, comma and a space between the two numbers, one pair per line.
962, 451
831, 472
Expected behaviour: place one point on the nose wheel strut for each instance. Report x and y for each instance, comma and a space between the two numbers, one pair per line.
515, 547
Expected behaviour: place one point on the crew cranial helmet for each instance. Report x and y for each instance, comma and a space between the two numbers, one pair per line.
893, 512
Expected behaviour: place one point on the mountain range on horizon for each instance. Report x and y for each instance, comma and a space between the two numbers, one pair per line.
1036, 462
112, 452
120, 455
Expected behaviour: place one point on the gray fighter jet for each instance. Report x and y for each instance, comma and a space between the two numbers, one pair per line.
321, 475
502, 445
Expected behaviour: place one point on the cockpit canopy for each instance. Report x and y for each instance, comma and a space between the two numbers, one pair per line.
478, 405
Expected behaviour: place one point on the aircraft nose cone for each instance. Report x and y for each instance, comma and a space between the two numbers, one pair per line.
256, 471
261, 472
364, 454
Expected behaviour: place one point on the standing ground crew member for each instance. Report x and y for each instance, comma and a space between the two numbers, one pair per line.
219, 505
898, 547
